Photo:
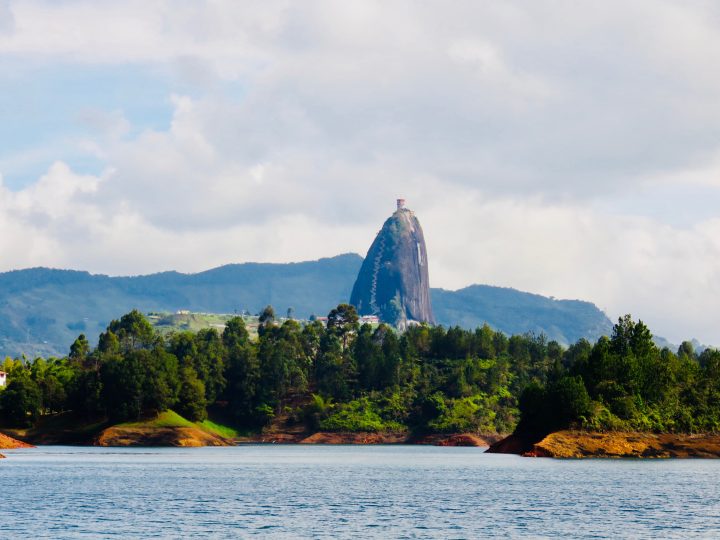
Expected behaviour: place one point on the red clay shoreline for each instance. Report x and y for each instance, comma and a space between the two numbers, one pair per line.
577, 444
571, 444
7, 443
362, 438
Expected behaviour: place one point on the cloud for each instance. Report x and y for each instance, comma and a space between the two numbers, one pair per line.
7, 20
571, 152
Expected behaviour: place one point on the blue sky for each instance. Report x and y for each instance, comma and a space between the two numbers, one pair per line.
46, 109
564, 149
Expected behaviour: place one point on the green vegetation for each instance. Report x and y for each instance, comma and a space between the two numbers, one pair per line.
347, 377
172, 323
171, 419
625, 382
222, 430
166, 419
43, 310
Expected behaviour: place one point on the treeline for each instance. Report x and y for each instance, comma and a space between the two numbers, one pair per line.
346, 377
625, 382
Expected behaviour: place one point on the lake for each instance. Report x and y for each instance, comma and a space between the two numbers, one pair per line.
349, 492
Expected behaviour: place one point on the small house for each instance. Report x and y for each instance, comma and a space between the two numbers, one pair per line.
3, 379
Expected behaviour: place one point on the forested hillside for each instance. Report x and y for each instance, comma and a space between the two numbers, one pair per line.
43, 310
346, 377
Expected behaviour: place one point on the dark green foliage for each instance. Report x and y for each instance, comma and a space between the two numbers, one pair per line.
133, 331
80, 348
345, 377
626, 382
20, 402
191, 399
205, 352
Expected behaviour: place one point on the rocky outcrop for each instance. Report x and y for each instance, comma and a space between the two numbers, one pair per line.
515, 443
362, 437
159, 436
587, 444
393, 282
8, 443
458, 439
324, 437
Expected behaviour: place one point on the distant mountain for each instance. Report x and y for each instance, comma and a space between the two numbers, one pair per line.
516, 312
43, 310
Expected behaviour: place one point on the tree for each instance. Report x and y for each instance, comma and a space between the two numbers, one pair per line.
570, 401
79, 349
121, 387
133, 331
686, 350
235, 333
84, 395
266, 319
209, 362
21, 402
267, 314
242, 373
343, 321
161, 382
191, 399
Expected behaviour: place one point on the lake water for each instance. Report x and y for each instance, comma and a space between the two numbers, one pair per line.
349, 492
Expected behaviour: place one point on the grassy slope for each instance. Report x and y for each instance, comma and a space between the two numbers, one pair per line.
171, 419
67, 429
166, 323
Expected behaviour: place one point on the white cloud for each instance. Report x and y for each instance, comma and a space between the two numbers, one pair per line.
569, 151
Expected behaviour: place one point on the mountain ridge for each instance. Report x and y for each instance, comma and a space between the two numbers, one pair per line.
42, 310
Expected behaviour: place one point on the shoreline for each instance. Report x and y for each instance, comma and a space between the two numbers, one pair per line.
177, 436
577, 444
10, 443
565, 444
369, 438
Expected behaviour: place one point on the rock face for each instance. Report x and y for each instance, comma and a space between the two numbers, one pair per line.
393, 281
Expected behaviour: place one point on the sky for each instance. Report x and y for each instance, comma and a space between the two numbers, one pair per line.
570, 149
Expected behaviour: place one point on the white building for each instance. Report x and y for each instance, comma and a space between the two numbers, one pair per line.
3, 378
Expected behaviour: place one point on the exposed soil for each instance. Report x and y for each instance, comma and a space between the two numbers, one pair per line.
159, 436
8, 443
64, 428
333, 437
354, 438
458, 439
584, 444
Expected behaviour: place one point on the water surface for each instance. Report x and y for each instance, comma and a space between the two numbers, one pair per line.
350, 492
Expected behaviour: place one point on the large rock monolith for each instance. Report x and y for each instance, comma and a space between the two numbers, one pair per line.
393, 282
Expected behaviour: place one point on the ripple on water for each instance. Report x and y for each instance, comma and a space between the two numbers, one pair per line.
350, 492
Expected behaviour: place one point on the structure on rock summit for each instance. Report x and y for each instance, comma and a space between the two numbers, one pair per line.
393, 282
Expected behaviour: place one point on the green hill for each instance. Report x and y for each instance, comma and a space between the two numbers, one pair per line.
517, 312
42, 310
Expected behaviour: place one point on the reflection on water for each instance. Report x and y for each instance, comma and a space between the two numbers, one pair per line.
349, 491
